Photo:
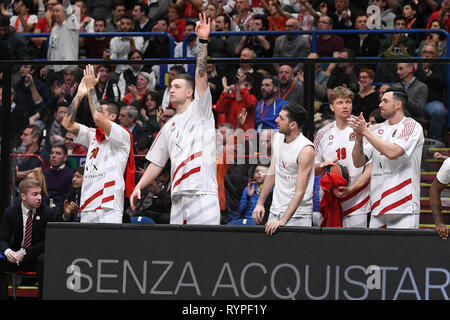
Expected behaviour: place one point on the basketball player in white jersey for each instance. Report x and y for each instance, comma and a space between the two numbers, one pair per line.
334, 144
291, 172
103, 189
189, 140
395, 148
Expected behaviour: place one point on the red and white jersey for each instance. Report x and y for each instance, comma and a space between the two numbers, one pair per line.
332, 143
286, 168
443, 175
103, 180
395, 184
189, 140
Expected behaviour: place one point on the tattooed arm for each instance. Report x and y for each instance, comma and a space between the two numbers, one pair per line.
201, 78
101, 119
69, 119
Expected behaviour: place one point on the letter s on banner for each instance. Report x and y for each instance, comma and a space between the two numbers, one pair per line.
73, 282
374, 20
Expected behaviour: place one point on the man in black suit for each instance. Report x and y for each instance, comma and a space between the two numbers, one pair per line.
127, 117
22, 234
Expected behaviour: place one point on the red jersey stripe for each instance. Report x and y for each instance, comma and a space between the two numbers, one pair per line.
390, 191
356, 207
109, 184
395, 204
91, 198
107, 199
182, 164
185, 176
351, 195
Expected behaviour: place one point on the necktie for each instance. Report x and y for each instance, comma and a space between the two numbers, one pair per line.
28, 230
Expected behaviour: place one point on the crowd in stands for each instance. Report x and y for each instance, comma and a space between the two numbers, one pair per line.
41, 95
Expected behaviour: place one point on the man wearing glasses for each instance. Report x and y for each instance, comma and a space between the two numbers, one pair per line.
328, 43
395, 148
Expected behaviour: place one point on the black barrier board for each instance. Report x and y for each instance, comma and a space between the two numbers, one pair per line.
87, 261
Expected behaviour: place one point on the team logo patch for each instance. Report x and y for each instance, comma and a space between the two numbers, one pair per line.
331, 137
394, 133
351, 137
381, 131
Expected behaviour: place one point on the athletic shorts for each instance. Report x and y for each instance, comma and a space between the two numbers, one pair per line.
195, 209
102, 216
301, 221
395, 221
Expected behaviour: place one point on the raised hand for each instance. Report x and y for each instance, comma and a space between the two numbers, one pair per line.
204, 27
90, 80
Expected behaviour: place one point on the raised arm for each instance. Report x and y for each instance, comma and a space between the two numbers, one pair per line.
101, 119
202, 30
69, 119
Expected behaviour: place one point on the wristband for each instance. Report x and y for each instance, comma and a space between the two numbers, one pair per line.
202, 40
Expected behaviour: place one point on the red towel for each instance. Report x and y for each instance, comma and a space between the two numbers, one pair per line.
130, 169
329, 205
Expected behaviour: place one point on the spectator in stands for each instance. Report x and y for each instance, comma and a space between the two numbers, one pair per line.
15, 43
437, 39
327, 44
440, 182
288, 88
55, 131
71, 206
241, 20
345, 73
320, 83
32, 94
344, 16
176, 22
58, 176
72, 147
442, 14
24, 21
66, 89
223, 46
417, 90
382, 89
214, 81
141, 21
277, 18
269, 107
44, 25
236, 97
191, 52
122, 46
18, 117
251, 192
86, 23
96, 46
190, 9
128, 116
148, 112
414, 21
117, 10
155, 201
145, 82
158, 47
386, 15
263, 45
64, 39
31, 139
398, 42
435, 77
173, 71
375, 117
129, 76
367, 98
291, 45
106, 88
21, 252
363, 44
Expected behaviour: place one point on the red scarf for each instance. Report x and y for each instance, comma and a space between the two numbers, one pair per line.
329, 205
130, 169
